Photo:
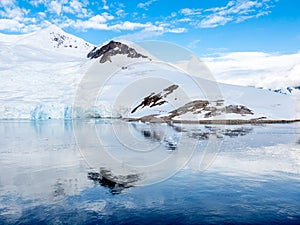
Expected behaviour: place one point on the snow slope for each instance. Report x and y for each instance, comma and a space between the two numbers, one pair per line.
39, 73
127, 88
46, 74
276, 72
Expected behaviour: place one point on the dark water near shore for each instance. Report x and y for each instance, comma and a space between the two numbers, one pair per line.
234, 174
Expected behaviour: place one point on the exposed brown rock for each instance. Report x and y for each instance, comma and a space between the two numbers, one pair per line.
111, 49
208, 109
156, 99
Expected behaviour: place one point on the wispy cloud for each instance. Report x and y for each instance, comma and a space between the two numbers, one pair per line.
18, 19
141, 30
82, 15
96, 22
214, 20
121, 13
193, 44
105, 6
151, 31
12, 17
76, 7
9, 9
7, 3
76, 14
235, 11
55, 7
10, 24
145, 5
190, 12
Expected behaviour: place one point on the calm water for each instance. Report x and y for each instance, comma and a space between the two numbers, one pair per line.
113, 172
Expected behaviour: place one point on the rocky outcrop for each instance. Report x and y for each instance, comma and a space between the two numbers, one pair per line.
61, 40
287, 90
209, 109
206, 108
111, 49
156, 99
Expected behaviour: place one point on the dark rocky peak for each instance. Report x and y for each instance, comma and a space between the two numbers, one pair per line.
111, 49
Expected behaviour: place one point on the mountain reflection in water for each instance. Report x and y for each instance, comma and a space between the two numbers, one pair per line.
253, 177
116, 184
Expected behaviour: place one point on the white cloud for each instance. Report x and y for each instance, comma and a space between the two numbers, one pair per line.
16, 19
243, 18
35, 27
121, 13
141, 35
256, 69
42, 14
235, 11
190, 12
55, 7
36, 2
15, 12
105, 6
10, 24
95, 22
242, 7
78, 14
12, 11
58, 11
145, 5
193, 44
127, 25
176, 30
60, 7
183, 20
5, 3
75, 7
150, 30
214, 21
100, 22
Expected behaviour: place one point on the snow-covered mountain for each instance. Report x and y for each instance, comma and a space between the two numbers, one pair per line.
271, 71
45, 40
52, 74
287, 90
156, 91
39, 73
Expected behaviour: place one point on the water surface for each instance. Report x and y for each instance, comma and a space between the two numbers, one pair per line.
250, 173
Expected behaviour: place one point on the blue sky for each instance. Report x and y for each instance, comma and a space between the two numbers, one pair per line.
204, 26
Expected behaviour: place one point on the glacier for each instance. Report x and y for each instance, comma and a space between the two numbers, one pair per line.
41, 73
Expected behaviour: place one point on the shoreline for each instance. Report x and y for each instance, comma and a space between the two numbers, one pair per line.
221, 122
168, 121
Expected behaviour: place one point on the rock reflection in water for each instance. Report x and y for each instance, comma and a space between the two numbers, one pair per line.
219, 132
237, 132
115, 183
59, 190
156, 132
